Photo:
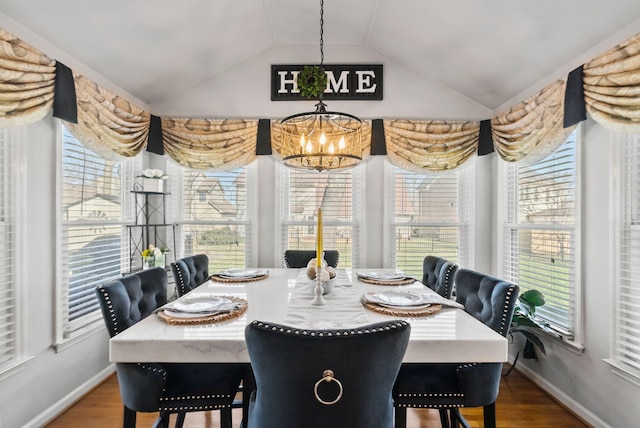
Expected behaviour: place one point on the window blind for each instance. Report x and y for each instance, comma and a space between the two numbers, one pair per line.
540, 249
626, 338
94, 206
217, 217
338, 194
429, 216
8, 280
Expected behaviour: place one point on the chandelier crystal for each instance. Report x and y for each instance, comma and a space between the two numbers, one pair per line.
321, 140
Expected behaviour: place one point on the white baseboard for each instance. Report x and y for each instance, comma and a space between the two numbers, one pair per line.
563, 398
50, 413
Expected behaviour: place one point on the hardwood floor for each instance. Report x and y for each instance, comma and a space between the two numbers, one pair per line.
520, 404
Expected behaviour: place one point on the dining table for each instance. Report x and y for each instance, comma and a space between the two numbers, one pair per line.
284, 296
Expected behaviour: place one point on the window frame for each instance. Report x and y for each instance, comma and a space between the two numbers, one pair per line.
16, 137
464, 223
92, 323
573, 340
358, 219
175, 207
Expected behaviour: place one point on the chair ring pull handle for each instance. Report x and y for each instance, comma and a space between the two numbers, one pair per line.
327, 376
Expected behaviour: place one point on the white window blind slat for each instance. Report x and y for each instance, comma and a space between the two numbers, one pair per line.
217, 217
540, 233
9, 351
428, 216
94, 211
338, 194
626, 329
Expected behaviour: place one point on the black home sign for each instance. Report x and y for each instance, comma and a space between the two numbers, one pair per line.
344, 82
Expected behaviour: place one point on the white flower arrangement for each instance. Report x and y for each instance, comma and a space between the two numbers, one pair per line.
153, 173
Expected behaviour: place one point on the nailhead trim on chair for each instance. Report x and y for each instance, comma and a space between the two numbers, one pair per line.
446, 279
181, 278
329, 333
504, 322
112, 313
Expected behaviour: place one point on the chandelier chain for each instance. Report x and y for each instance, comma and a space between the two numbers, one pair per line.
321, 33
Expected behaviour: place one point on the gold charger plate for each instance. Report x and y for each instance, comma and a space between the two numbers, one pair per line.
217, 278
401, 312
241, 303
387, 282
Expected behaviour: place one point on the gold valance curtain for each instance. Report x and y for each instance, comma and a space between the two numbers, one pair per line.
533, 128
107, 123
612, 87
418, 145
276, 139
27, 79
223, 144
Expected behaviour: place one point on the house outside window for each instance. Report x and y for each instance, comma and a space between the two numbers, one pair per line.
96, 204
540, 233
429, 214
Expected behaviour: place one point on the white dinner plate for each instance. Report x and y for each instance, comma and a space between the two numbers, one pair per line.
383, 276
176, 314
209, 304
398, 299
242, 273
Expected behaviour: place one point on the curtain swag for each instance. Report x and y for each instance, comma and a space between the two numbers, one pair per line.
533, 128
27, 79
113, 127
612, 87
223, 144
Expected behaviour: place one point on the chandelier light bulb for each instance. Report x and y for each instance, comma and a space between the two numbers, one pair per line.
323, 139
309, 147
341, 144
331, 149
302, 140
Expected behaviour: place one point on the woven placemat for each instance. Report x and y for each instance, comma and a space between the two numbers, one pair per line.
383, 282
402, 312
225, 279
209, 319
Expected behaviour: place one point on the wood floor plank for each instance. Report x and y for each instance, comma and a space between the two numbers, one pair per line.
520, 404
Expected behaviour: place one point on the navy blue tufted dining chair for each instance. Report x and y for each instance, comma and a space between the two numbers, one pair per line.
448, 387
163, 388
327, 378
300, 258
438, 274
190, 272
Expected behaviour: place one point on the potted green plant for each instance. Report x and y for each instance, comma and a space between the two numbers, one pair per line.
525, 323
312, 81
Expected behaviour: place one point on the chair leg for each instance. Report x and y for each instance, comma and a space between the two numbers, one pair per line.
457, 418
180, 419
162, 421
129, 418
225, 418
400, 417
490, 416
444, 418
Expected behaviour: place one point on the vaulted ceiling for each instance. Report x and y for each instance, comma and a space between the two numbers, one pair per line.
488, 50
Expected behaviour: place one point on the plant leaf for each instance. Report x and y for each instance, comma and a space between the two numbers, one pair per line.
532, 298
533, 339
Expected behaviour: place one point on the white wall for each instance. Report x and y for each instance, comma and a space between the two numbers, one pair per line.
50, 378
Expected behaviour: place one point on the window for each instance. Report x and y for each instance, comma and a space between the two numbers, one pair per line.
540, 233
9, 328
338, 194
626, 334
428, 215
94, 210
216, 215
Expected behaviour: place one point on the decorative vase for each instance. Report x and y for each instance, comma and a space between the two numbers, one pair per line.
153, 185
152, 261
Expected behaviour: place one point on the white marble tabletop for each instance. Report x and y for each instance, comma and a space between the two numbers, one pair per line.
451, 335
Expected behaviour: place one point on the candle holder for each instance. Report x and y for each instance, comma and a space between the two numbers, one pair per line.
318, 300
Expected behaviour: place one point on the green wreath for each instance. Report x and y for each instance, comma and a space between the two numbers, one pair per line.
312, 81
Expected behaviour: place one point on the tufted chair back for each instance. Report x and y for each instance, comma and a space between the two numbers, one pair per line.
163, 388
190, 272
300, 258
129, 299
289, 365
438, 274
490, 300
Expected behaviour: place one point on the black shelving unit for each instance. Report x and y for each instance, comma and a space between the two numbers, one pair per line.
150, 227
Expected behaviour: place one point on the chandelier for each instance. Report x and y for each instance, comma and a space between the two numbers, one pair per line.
321, 140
